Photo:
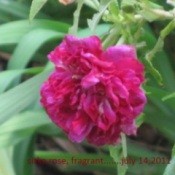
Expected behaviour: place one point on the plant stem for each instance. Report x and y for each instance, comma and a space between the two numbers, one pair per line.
124, 145
74, 28
160, 43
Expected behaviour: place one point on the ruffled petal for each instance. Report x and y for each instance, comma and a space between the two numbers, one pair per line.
107, 117
120, 52
89, 81
124, 57
79, 128
94, 94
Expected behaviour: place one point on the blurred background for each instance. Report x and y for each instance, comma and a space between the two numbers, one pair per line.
26, 131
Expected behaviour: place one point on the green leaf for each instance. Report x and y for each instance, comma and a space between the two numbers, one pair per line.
11, 139
20, 97
8, 76
6, 167
170, 169
20, 28
157, 94
128, 6
119, 2
160, 114
160, 61
118, 154
49, 130
101, 28
106, 165
23, 121
140, 119
154, 72
24, 151
32, 42
92, 23
149, 15
173, 151
167, 97
22, 126
93, 4
36, 7
136, 151
14, 8
115, 153
114, 10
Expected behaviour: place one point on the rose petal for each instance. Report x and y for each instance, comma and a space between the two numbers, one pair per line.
79, 128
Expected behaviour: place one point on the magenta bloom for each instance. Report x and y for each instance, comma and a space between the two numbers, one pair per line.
94, 94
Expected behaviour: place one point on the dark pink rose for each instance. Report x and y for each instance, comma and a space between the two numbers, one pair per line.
94, 94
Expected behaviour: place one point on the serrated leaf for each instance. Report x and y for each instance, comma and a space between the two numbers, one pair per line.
36, 7
114, 8
92, 23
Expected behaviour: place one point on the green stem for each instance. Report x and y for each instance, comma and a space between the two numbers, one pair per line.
160, 43
124, 145
111, 38
160, 14
118, 153
73, 30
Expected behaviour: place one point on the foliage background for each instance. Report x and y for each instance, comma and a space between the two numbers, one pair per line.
25, 129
